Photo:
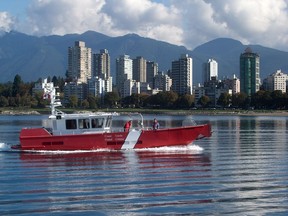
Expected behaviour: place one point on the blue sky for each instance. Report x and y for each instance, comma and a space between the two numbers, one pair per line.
186, 22
15, 7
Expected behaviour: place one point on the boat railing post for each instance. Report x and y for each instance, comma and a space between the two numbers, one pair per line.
142, 121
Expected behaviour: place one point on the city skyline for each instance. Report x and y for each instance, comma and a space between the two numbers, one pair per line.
128, 79
181, 72
49, 63
192, 22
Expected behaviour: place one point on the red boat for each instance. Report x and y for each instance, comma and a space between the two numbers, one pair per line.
93, 131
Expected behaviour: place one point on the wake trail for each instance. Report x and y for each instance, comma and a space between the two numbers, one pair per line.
4, 147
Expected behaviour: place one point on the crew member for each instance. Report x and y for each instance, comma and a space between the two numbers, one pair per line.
127, 126
156, 124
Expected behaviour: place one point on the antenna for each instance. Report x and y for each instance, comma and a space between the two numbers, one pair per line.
50, 93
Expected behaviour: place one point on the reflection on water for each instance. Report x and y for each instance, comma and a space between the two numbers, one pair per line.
104, 181
132, 157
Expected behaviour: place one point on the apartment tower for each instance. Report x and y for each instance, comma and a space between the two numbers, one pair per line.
123, 71
151, 72
181, 75
276, 81
249, 72
139, 69
101, 64
210, 70
79, 62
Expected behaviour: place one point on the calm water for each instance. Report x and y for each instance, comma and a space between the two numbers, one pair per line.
241, 170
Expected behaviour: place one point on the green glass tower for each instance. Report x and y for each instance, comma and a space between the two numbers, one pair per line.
249, 72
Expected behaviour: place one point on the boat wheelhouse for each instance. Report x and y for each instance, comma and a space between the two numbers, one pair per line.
81, 123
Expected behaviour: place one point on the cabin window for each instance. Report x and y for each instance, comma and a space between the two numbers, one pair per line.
97, 122
108, 122
83, 123
71, 124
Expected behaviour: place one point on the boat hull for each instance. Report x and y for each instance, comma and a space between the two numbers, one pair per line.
41, 139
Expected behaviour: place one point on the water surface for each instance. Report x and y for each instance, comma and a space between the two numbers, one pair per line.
241, 170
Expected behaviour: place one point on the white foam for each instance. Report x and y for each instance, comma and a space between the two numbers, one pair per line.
180, 149
190, 148
66, 152
5, 147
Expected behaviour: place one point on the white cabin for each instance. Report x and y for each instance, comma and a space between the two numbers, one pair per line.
81, 123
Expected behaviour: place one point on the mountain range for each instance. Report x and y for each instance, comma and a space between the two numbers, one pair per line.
38, 57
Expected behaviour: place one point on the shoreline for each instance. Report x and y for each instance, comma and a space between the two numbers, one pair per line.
251, 113
160, 112
13, 112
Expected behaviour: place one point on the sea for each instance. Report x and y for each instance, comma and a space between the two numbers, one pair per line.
242, 169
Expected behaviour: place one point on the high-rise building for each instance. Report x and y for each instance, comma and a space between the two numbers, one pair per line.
139, 69
210, 70
77, 89
151, 72
276, 81
79, 62
101, 64
162, 82
123, 72
199, 91
181, 75
249, 72
98, 87
233, 84
130, 87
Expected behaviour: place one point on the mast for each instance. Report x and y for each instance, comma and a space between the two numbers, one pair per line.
50, 93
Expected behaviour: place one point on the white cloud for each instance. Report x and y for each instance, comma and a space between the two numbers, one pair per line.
185, 22
6, 21
149, 19
197, 22
252, 21
47, 17
111, 17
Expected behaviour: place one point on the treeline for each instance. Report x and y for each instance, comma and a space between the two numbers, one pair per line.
171, 100
20, 94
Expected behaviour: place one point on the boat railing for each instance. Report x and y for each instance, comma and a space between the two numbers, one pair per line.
189, 121
140, 123
58, 112
49, 130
